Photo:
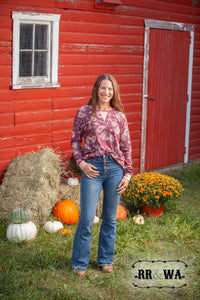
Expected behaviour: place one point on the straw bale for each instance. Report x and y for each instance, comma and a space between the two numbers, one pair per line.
31, 181
73, 193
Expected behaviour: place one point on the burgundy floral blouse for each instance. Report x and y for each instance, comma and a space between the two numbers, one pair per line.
101, 136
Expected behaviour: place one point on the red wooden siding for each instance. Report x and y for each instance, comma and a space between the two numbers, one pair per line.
92, 40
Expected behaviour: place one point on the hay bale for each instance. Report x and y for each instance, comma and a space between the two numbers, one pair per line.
31, 181
73, 193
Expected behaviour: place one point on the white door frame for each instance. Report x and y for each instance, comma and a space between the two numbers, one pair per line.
168, 26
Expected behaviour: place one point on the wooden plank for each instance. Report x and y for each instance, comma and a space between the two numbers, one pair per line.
166, 6
33, 3
68, 102
5, 82
60, 114
89, 27
157, 14
6, 142
60, 124
73, 91
79, 48
33, 139
5, 60
5, 22
74, 80
6, 107
33, 104
134, 107
28, 128
92, 38
32, 94
6, 130
5, 34
131, 30
33, 116
195, 102
78, 4
84, 59
6, 118
62, 146
195, 143
62, 136
5, 71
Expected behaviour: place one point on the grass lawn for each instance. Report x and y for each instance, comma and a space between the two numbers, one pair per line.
41, 269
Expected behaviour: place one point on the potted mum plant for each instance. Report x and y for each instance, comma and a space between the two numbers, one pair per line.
150, 191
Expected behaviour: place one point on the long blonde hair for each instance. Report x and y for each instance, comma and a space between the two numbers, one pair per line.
115, 101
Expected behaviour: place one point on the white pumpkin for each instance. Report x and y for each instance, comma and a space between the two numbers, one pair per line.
52, 226
138, 219
72, 181
21, 232
96, 220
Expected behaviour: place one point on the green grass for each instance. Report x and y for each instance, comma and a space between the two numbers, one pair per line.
41, 269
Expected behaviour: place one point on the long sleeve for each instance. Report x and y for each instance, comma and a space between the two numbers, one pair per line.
125, 146
77, 136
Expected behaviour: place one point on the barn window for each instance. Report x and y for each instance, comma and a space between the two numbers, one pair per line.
35, 50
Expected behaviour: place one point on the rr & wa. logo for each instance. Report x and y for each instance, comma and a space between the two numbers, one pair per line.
159, 274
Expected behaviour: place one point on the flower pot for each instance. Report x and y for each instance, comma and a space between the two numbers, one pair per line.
152, 211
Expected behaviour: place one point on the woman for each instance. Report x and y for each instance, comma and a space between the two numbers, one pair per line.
105, 162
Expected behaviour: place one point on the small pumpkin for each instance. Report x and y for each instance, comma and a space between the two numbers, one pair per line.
21, 232
121, 213
138, 219
66, 211
53, 226
20, 215
72, 181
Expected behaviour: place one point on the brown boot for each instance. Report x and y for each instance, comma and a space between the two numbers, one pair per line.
107, 268
80, 273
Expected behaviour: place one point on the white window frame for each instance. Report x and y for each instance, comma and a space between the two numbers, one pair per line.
51, 80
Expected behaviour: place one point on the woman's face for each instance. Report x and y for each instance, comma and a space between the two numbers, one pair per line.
105, 92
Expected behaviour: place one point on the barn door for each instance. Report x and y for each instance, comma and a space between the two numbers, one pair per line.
167, 97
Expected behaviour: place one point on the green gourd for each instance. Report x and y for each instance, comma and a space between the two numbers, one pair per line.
20, 215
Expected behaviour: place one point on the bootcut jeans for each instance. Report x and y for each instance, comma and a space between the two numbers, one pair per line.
111, 174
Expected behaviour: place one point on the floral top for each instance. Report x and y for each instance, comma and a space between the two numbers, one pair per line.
102, 136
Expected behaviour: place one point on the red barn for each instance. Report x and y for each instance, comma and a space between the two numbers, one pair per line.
51, 52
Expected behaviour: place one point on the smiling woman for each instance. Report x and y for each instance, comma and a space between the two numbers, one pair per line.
106, 162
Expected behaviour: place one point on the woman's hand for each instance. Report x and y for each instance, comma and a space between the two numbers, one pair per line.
123, 185
90, 171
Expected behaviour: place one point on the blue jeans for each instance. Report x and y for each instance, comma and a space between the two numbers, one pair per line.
111, 173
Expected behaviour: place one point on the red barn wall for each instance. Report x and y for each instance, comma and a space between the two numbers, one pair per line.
92, 40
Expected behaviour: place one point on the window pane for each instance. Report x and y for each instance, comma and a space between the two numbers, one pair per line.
25, 63
26, 36
41, 37
40, 64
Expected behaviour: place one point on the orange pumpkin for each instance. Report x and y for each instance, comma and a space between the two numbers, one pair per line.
121, 213
66, 211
